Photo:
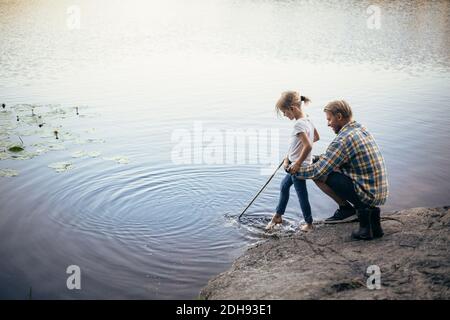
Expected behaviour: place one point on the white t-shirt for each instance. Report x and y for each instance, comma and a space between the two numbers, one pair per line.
301, 125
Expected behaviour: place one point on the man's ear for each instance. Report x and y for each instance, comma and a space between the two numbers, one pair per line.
339, 116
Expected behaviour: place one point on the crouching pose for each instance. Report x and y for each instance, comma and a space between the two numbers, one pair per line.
352, 172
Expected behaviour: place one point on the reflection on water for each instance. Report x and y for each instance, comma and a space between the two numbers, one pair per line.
138, 224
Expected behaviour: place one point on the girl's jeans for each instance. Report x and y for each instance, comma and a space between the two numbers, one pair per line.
302, 193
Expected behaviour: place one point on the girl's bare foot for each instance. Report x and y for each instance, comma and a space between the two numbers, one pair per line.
307, 227
276, 219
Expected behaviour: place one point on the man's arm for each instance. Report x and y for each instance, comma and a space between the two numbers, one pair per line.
334, 157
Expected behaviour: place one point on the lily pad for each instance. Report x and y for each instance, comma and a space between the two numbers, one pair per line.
55, 147
78, 154
118, 159
5, 143
40, 122
61, 166
94, 154
40, 150
8, 173
29, 132
80, 141
15, 149
22, 107
5, 113
81, 153
23, 155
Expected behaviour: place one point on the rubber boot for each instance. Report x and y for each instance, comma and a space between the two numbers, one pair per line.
375, 222
365, 231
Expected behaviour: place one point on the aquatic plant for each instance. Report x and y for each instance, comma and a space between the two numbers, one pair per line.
15, 149
81, 153
8, 173
94, 154
61, 166
40, 122
41, 139
119, 159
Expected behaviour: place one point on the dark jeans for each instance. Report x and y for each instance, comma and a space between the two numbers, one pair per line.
302, 193
344, 187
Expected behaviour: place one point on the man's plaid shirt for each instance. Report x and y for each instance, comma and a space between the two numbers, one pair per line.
355, 153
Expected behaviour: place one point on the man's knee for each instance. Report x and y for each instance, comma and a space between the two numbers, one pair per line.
336, 180
320, 180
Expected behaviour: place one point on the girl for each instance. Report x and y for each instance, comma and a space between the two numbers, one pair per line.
303, 136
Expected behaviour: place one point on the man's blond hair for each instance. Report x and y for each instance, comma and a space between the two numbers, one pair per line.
339, 106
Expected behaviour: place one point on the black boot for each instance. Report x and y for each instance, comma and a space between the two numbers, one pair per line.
375, 222
365, 230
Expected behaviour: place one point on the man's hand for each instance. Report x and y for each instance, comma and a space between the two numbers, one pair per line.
294, 168
315, 158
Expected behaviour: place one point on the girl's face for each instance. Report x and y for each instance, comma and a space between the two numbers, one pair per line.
288, 113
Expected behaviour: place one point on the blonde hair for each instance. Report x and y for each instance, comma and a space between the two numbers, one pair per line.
290, 98
339, 106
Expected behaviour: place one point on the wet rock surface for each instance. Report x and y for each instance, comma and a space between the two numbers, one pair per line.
413, 257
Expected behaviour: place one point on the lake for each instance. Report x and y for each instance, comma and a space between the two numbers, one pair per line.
176, 129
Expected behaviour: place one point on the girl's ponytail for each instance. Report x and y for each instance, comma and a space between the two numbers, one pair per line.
305, 99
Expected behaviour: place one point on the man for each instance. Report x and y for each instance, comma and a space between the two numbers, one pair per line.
352, 172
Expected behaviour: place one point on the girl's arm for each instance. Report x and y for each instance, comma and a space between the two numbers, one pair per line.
307, 147
316, 135
286, 162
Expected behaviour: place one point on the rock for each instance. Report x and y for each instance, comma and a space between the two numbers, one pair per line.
413, 257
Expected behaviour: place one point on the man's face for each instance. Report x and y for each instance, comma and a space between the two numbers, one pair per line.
335, 122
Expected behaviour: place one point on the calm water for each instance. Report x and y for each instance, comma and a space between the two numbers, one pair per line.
149, 73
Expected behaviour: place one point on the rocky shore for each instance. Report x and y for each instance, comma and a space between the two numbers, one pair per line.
413, 258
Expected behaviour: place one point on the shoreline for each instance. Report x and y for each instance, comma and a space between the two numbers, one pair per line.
413, 260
